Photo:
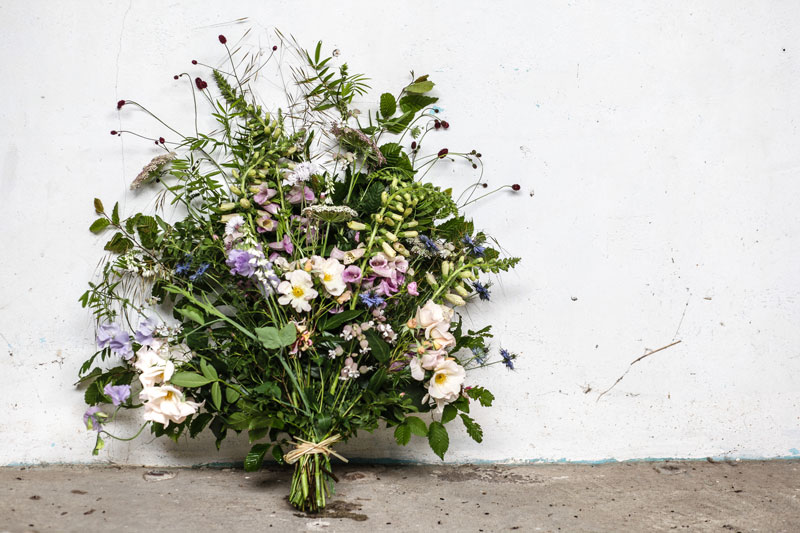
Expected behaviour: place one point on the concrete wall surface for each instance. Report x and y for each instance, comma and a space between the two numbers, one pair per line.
658, 151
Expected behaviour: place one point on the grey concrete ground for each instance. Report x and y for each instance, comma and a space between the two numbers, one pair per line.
663, 496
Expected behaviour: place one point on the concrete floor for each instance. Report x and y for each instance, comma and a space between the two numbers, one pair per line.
663, 496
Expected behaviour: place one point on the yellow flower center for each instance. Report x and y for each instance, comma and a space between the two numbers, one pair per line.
326, 277
170, 395
297, 291
440, 378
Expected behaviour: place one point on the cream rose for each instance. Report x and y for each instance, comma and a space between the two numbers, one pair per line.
445, 385
166, 404
433, 315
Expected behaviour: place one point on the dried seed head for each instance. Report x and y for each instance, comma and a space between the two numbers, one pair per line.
222, 39
120, 104
515, 187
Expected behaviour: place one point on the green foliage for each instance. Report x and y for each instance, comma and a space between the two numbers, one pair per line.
189, 379
482, 395
388, 105
438, 439
273, 338
473, 429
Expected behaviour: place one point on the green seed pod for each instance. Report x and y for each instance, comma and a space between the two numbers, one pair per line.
245, 203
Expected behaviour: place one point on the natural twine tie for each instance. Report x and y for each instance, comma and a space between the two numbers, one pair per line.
305, 447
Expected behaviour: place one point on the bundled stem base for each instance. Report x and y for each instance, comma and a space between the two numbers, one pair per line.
312, 483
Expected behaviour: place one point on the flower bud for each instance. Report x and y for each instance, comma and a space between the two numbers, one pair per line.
467, 274
291, 150
397, 217
390, 253
454, 299
412, 224
356, 226
236, 190
461, 290
227, 206
254, 189
409, 234
245, 203
235, 173
390, 236
276, 133
401, 249
431, 280
384, 197
445, 268
407, 211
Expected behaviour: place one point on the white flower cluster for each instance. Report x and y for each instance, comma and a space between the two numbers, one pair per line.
133, 263
356, 331
301, 173
163, 402
387, 333
238, 234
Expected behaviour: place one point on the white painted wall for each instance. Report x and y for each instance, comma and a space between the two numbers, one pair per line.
661, 140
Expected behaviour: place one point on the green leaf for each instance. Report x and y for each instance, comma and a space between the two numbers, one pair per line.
115, 215
255, 457
438, 439
208, 371
378, 346
99, 225
402, 434
198, 423
94, 394
192, 313
417, 425
189, 379
274, 338
448, 414
216, 395
119, 244
98, 206
338, 319
147, 227
482, 395
400, 123
269, 388
411, 103
473, 429
462, 404
231, 395
277, 453
420, 87
388, 105
98, 445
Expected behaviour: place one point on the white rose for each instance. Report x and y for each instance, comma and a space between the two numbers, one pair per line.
432, 315
445, 385
166, 403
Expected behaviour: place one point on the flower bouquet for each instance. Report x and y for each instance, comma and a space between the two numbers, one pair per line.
304, 286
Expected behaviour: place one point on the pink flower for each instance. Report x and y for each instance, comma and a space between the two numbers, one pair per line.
264, 194
284, 245
380, 265
300, 193
265, 223
351, 274
412, 288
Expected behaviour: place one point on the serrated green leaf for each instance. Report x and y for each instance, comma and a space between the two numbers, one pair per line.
417, 425
115, 214
118, 244
98, 206
231, 395
402, 434
448, 414
192, 313
380, 350
255, 457
216, 395
189, 379
473, 429
420, 87
462, 404
99, 225
388, 105
416, 102
438, 439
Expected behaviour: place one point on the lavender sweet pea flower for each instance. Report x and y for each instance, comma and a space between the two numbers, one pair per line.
105, 333
144, 335
351, 274
91, 420
239, 261
121, 345
118, 393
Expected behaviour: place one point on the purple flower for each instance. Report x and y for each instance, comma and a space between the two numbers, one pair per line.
412, 288
121, 345
508, 358
388, 286
239, 261
200, 271
483, 291
371, 300
299, 193
429, 243
118, 393
91, 420
144, 335
264, 194
284, 244
351, 274
380, 265
105, 333
476, 248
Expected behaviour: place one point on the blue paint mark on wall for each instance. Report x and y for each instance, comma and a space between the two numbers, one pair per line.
794, 451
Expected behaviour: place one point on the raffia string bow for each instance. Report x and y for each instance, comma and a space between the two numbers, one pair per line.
305, 447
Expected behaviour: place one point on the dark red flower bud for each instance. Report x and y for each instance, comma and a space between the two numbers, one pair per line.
413, 144
484, 185
156, 142
200, 83
175, 76
161, 140
120, 104
222, 39
194, 61
443, 152
113, 132
437, 124
474, 165
515, 187
445, 124
275, 47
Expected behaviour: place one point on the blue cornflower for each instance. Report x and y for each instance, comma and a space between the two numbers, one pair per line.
476, 248
508, 358
480, 354
200, 271
429, 243
182, 268
371, 300
482, 290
